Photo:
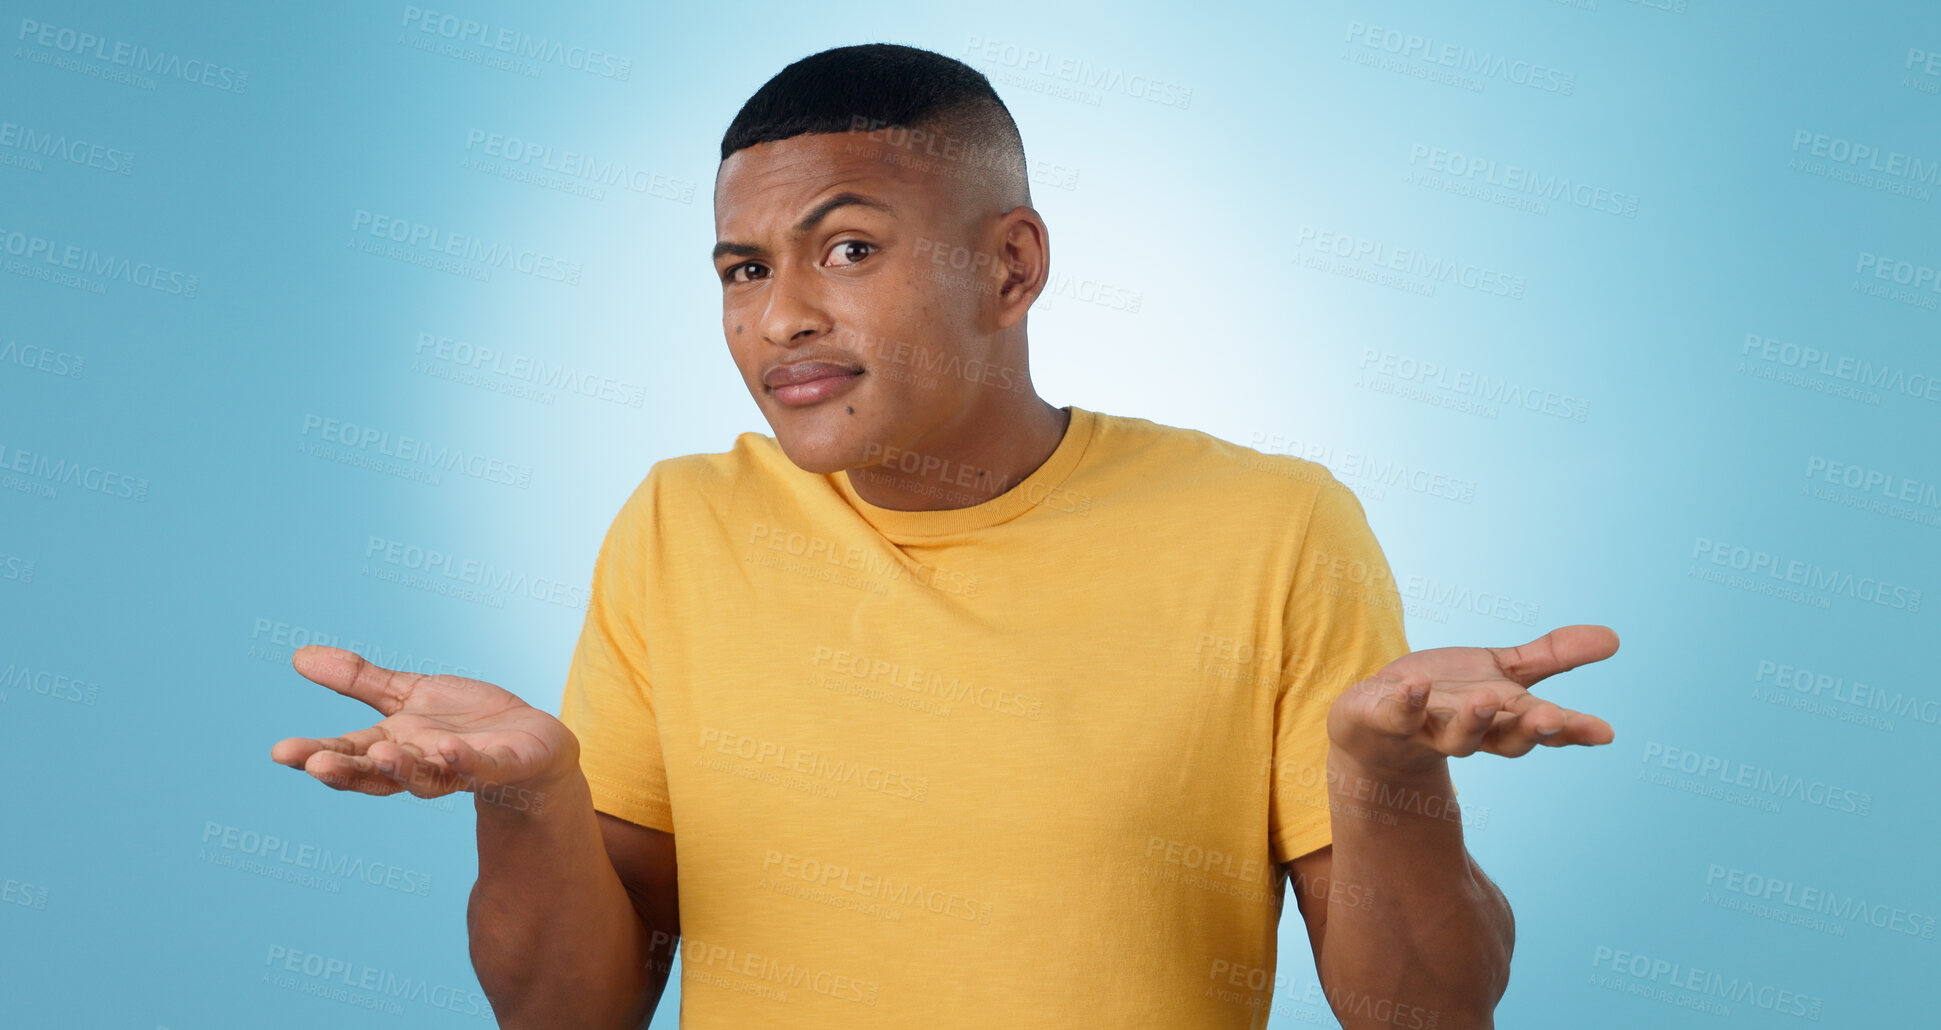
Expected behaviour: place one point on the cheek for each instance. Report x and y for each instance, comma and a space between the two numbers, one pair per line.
741, 351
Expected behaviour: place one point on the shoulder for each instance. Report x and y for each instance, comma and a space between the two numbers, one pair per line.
705, 480
1214, 468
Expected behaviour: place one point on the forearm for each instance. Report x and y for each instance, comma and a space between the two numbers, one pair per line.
1440, 938
555, 939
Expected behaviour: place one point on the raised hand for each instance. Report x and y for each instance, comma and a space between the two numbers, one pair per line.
1447, 702
439, 734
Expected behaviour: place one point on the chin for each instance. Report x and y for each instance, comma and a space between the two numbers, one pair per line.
818, 460
823, 438
819, 448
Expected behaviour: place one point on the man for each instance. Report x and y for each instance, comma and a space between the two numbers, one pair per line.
958, 708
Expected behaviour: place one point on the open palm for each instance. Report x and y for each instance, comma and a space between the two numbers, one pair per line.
439, 734
1447, 702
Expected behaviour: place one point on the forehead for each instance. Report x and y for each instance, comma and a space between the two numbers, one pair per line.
757, 188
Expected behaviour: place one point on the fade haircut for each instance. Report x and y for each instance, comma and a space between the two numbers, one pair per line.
939, 110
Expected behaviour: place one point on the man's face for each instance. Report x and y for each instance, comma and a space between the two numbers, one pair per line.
829, 253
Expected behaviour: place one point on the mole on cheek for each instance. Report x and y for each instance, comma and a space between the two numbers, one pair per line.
849, 409
737, 330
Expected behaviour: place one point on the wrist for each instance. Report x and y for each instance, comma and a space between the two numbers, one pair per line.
1431, 769
1377, 793
530, 797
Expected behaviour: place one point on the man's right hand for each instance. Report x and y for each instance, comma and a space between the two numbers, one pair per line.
439, 734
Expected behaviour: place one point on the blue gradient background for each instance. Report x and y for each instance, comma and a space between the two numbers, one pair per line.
117, 910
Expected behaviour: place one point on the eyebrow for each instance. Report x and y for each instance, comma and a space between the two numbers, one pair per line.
806, 225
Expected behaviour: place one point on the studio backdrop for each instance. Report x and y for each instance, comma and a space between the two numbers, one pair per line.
355, 323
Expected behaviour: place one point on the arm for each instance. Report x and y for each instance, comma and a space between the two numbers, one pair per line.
1438, 941
1431, 945
574, 918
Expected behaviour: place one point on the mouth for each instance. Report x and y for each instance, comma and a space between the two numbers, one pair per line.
809, 382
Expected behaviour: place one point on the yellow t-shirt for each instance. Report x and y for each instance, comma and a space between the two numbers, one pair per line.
1032, 762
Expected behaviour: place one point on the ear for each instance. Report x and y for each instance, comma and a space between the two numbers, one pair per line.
1023, 265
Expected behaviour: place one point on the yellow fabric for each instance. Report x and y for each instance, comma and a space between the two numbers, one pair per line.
1033, 762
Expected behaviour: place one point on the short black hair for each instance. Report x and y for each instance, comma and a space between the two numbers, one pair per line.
886, 87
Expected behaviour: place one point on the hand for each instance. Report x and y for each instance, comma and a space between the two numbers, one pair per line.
1446, 702
439, 734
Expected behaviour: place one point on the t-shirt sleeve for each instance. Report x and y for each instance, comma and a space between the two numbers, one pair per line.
608, 701
1343, 624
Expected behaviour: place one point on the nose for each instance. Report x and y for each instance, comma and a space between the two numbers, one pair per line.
794, 313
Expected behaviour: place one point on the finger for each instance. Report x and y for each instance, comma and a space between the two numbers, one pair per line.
1556, 651
1396, 704
1469, 723
444, 759
1583, 728
1575, 728
1537, 723
357, 773
294, 751
494, 765
347, 673
408, 766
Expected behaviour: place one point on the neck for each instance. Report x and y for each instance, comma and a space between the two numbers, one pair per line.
967, 461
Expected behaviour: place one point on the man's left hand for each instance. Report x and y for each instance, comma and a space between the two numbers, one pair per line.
1446, 702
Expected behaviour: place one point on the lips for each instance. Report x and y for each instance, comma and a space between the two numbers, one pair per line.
806, 372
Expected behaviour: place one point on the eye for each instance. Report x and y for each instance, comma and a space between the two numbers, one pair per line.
728, 276
848, 249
